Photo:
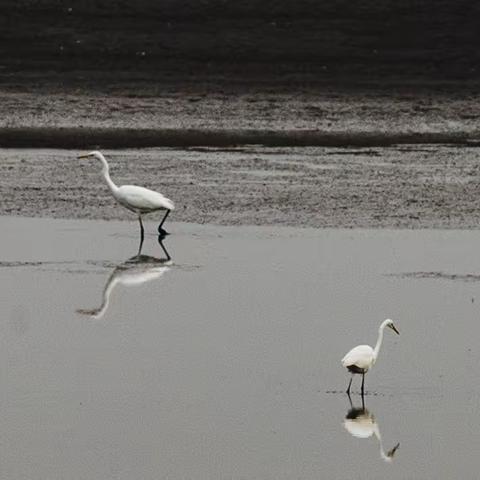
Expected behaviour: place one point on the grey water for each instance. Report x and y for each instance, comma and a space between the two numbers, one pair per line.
224, 361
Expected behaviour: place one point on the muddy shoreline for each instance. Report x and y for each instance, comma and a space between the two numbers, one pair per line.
332, 159
401, 186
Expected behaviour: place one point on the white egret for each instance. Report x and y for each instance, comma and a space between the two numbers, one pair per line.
361, 358
137, 199
360, 423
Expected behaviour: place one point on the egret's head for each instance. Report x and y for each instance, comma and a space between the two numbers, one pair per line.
388, 457
94, 153
389, 324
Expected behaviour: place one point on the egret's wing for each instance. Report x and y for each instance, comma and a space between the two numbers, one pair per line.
143, 198
360, 356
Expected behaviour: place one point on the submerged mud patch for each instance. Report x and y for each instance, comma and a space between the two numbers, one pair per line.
468, 277
15, 264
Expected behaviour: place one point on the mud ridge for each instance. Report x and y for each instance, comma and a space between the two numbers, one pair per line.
117, 138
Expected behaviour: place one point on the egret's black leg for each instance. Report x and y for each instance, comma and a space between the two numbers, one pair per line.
349, 385
363, 381
350, 400
160, 238
142, 235
161, 231
363, 402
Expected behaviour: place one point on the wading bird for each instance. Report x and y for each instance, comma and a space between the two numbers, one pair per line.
139, 200
361, 358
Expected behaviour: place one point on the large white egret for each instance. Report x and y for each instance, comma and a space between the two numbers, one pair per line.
137, 199
361, 358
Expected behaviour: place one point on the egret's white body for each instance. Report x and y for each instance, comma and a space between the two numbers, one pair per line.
141, 200
360, 359
137, 199
363, 357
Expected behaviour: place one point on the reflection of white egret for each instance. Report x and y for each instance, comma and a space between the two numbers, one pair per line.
361, 358
360, 423
137, 199
135, 271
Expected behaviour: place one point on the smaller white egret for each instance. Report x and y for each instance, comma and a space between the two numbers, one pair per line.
361, 358
137, 199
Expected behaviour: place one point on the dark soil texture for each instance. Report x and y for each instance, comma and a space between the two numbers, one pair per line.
116, 44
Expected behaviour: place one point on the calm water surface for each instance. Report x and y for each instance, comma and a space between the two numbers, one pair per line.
224, 362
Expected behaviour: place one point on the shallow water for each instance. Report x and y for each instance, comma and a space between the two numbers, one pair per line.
224, 361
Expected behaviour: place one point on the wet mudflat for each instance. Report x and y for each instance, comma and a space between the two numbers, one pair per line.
223, 362
402, 186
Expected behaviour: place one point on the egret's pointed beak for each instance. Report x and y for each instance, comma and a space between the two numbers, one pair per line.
83, 156
395, 330
391, 452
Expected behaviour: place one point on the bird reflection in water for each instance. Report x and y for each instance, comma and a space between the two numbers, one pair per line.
360, 423
134, 271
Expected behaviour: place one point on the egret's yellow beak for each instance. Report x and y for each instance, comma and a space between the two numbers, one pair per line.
83, 156
394, 329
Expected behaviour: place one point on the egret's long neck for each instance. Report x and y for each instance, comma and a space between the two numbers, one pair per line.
376, 432
107, 291
106, 175
379, 340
